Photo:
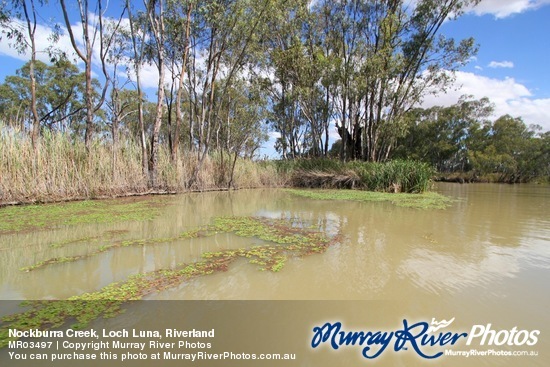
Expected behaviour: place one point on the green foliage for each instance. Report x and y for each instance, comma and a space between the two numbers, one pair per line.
242, 66
60, 100
510, 150
461, 138
440, 135
394, 176
362, 64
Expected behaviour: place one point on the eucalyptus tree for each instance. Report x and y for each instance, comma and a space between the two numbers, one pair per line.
509, 149
137, 39
154, 10
121, 102
300, 106
223, 37
241, 129
59, 102
346, 21
317, 81
180, 14
284, 47
407, 58
18, 19
389, 55
442, 136
92, 26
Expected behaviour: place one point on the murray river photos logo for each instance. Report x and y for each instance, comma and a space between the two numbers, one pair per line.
428, 340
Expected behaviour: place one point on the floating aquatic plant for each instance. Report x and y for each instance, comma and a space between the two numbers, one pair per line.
425, 200
280, 232
33, 217
287, 238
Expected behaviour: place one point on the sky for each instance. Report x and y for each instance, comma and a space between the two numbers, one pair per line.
511, 67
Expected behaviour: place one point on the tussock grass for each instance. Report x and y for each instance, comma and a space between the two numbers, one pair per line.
393, 176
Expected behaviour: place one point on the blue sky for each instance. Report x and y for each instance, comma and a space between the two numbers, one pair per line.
511, 67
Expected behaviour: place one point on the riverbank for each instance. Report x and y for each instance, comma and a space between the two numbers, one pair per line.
471, 177
63, 169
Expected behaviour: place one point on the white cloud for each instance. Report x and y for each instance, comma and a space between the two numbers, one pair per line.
499, 8
149, 72
42, 37
508, 96
501, 64
505, 8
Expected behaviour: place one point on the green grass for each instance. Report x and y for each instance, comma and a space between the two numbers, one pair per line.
393, 176
397, 176
427, 200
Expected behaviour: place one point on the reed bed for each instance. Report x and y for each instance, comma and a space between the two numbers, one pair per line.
394, 176
61, 169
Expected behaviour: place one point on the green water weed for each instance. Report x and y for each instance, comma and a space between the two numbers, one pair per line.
426, 200
289, 241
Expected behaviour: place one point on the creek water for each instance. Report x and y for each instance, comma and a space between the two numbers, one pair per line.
486, 259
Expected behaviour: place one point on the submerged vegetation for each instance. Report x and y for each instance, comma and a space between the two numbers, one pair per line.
286, 238
270, 231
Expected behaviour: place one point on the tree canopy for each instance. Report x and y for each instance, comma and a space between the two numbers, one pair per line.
229, 71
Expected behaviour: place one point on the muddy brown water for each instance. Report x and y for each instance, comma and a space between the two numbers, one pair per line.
486, 259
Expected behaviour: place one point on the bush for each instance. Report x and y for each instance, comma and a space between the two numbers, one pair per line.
394, 176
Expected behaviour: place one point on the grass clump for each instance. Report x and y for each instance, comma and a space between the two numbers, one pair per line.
393, 176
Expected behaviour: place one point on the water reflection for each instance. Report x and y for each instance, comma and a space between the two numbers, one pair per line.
486, 258
440, 273
493, 233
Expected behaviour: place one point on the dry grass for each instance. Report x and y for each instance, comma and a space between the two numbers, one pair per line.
61, 169
320, 179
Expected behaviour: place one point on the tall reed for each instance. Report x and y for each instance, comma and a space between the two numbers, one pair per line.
393, 176
62, 169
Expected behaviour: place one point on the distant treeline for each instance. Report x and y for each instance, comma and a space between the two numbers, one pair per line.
464, 145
